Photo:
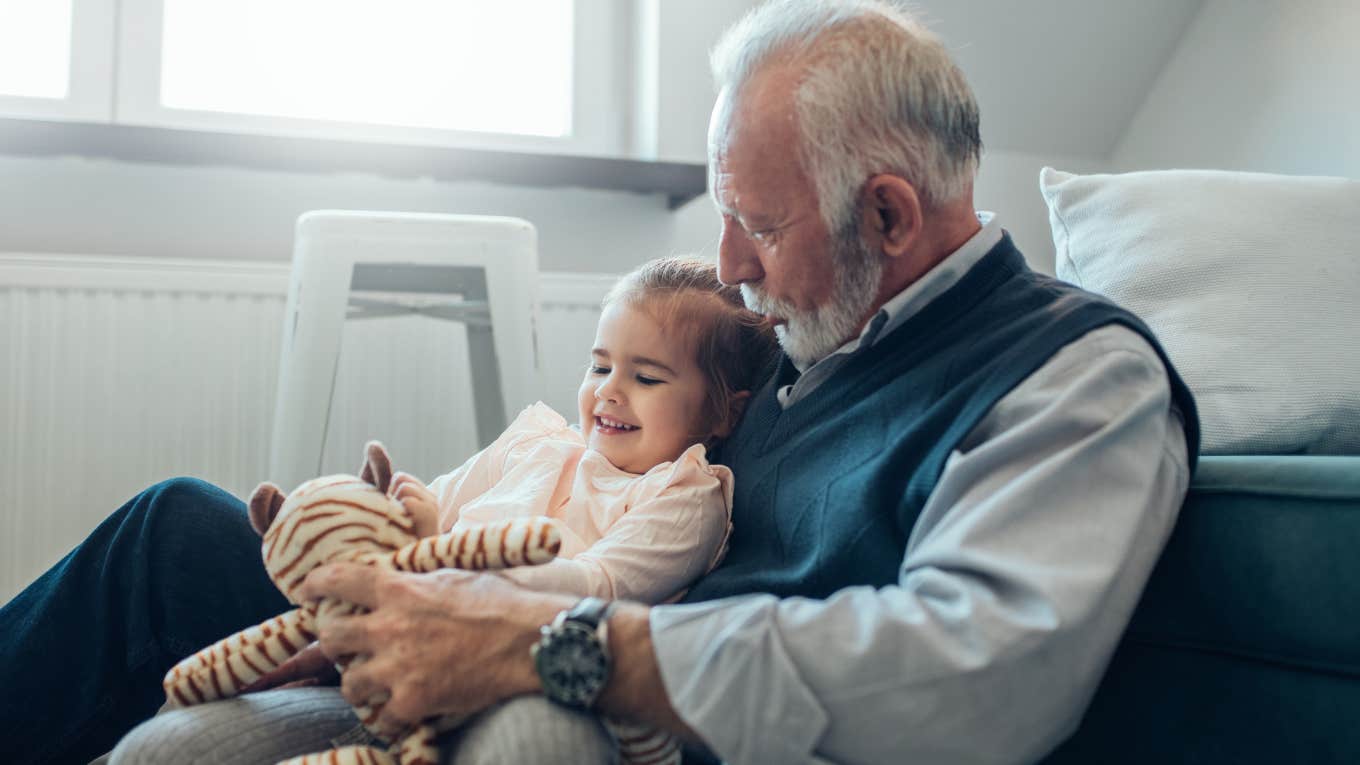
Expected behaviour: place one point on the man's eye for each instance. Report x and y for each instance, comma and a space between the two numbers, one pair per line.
649, 380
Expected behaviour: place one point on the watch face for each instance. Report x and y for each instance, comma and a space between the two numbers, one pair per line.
572, 666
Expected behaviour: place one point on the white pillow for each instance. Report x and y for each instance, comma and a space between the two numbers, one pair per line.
1251, 282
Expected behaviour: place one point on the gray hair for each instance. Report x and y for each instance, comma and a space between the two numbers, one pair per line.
875, 97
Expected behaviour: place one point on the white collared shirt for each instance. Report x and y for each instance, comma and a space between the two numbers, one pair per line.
1016, 583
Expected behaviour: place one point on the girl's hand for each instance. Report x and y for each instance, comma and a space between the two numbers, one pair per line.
418, 500
307, 667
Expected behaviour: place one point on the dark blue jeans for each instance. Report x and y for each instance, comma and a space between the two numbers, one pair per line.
83, 649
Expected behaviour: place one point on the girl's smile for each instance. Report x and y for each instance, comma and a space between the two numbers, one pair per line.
611, 427
642, 399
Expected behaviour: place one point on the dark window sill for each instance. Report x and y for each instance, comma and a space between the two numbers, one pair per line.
679, 182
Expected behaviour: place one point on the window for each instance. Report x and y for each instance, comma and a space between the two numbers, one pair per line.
505, 75
35, 48
56, 58
413, 63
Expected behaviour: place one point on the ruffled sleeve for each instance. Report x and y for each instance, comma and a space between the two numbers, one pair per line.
486, 468
674, 529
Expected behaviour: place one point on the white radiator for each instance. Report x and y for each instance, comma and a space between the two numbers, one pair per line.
116, 373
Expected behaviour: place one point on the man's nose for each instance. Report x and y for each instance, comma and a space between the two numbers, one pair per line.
737, 259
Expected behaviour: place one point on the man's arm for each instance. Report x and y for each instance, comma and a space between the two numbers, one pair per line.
455, 642
1018, 579
635, 690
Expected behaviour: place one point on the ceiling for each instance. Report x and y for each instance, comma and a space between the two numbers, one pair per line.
1058, 76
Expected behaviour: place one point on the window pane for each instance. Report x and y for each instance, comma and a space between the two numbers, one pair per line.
35, 48
501, 67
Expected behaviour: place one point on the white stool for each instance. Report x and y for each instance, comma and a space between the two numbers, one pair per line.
415, 261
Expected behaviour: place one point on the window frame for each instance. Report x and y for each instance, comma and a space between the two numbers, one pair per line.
116, 75
597, 41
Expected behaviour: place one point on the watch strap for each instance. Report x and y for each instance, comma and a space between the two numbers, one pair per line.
590, 611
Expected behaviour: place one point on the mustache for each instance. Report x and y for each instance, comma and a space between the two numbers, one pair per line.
758, 302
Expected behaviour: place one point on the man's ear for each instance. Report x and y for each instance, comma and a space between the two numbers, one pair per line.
265, 502
377, 468
735, 406
891, 216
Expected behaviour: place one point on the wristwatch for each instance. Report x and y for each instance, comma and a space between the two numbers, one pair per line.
572, 654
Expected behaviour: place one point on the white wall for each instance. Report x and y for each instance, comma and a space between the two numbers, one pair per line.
95, 206
1058, 75
1260, 85
1008, 185
685, 87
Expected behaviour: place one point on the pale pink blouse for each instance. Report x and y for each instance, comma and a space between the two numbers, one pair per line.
624, 536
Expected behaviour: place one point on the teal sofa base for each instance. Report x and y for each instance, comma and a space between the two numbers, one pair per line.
1246, 644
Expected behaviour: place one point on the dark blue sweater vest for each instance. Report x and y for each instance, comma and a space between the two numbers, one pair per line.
828, 490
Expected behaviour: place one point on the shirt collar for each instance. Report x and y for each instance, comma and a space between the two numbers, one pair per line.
931, 285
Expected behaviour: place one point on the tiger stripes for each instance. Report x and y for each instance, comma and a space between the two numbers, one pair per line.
226, 667
501, 544
641, 744
329, 520
418, 748
345, 519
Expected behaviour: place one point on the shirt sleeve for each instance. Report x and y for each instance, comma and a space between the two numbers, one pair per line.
463, 484
482, 470
1016, 584
655, 550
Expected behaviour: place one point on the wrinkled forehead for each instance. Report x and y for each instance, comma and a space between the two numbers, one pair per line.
719, 123
762, 107
755, 166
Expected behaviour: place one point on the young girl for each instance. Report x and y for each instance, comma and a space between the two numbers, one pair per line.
641, 512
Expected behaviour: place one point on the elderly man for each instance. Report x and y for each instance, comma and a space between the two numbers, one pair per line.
949, 494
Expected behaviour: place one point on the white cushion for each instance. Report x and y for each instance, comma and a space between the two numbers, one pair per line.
1250, 281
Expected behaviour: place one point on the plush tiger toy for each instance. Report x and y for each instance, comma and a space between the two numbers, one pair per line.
341, 518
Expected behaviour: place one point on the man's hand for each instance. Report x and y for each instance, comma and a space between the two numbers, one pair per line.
448, 642
418, 500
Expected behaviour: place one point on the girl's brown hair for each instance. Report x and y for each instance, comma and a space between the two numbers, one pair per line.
732, 344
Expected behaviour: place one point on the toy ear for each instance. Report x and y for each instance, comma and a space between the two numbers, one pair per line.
264, 505
377, 468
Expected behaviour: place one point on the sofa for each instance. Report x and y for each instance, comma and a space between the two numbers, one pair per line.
1245, 646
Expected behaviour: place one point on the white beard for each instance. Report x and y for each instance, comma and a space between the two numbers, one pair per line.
810, 336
